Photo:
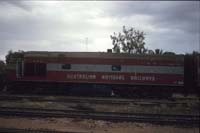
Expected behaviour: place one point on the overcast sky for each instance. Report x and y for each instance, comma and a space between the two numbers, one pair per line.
65, 25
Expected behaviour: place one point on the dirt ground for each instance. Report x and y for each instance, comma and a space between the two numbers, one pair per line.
90, 126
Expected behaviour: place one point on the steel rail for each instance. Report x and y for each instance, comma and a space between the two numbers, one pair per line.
111, 116
89, 100
16, 130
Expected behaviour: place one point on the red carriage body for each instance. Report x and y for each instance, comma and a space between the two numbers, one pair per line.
99, 68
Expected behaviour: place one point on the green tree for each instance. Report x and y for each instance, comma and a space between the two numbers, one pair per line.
158, 51
150, 52
11, 57
2, 74
169, 53
2, 67
129, 41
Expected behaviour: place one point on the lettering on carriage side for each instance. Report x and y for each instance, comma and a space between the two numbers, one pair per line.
113, 77
180, 82
81, 76
143, 78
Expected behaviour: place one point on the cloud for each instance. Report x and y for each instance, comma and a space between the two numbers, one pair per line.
172, 26
64, 25
19, 4
172, 14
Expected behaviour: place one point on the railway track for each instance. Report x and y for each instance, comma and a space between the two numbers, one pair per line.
91, 100
110, 116
14, 130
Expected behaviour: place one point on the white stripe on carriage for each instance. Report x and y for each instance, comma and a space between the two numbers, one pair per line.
124, 68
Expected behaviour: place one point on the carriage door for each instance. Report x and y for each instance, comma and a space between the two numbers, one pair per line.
40, 69
19, 69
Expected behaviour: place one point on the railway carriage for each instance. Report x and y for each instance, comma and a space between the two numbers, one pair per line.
123, 74
192, 73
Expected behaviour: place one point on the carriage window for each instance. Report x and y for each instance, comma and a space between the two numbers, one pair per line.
66, 66
29, 69
116, 68
40, 69
35, 69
